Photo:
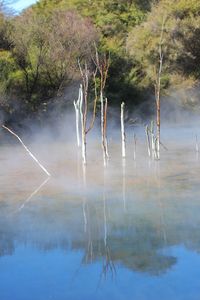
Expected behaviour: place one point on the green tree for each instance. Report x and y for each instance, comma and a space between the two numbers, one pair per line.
181, 46
113, 19
46, 49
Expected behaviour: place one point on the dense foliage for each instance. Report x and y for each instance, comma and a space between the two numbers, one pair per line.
39, 49
180, 44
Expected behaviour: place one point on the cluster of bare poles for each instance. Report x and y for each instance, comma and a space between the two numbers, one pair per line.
81, 105
153, 138
81, 110
99, 77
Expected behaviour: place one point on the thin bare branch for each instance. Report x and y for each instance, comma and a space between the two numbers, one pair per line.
29, 152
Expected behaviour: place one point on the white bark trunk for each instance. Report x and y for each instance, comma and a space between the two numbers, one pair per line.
29, 152
158, 147
153, 154
123, 131
148, 140
83, 133
77, 114
134, 146
103, 141
105, 136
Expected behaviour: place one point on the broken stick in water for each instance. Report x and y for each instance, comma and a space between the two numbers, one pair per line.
29, 152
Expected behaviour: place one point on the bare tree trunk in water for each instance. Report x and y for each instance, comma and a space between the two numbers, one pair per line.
83, 94
123, 132
157, 91
29, 152
102, 67
78, 108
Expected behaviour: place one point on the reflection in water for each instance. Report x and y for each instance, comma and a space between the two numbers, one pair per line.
33, 194
79, 217
160, 203
124, 182
108, 266
84, 214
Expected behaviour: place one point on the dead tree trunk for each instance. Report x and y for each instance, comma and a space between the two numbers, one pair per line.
148, 140
84, 107
77, 114
103, 129
29, 152
123, 132
157, 91
103, 66
134, 146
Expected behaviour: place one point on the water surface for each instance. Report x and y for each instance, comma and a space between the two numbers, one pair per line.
130, 231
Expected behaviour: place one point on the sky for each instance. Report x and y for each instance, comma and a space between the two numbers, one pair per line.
19, 5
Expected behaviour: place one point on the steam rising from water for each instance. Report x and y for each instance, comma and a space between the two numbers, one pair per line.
127, 216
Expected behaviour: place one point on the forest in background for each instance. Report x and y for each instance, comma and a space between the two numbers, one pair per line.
40, 49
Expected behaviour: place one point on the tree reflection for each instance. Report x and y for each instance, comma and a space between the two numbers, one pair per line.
96, 224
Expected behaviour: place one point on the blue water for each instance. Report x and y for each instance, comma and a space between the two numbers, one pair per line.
57, 274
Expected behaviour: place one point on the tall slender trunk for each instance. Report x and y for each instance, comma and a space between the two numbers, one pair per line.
123, 131
134, 146
148, 140
157, 90
103, 129
158, 128
83, 133
77, 114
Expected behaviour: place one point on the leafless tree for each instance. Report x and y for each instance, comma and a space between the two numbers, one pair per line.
83, 92
102, 63
158, 74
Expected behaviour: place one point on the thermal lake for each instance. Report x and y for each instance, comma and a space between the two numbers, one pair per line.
127, 231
